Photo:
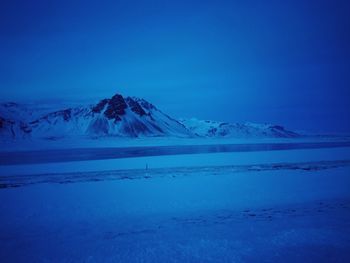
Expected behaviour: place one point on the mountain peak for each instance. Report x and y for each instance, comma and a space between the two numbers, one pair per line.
118, 116
116, 107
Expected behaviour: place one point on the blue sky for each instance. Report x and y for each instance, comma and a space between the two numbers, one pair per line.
284, 62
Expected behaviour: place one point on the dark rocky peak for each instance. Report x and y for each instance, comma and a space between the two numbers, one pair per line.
116, 107
135, 106
100, 106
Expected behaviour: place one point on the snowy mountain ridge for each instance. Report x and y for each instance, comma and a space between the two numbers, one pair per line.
209, 128
117, 116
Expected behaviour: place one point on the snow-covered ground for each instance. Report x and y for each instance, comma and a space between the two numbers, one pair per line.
267, 206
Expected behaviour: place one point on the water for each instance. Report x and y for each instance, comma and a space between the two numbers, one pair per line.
84, 154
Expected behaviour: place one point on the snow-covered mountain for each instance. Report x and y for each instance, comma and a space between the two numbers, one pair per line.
116, 116
209, 128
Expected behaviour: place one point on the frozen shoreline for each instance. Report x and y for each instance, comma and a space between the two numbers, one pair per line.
139, 174
190, 160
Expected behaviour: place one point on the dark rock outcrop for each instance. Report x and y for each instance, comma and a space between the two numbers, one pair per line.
116, 107
146, 105
280, 131
135, 106
100, 106
65, 114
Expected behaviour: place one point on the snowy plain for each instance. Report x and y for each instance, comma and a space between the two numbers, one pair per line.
258, 206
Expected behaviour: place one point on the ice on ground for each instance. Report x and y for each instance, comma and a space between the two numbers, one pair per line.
272, 206
279, 215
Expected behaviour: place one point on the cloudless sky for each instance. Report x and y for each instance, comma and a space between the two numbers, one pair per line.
285, 62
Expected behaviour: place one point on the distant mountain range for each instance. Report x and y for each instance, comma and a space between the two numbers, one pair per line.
207, 128
118, 116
